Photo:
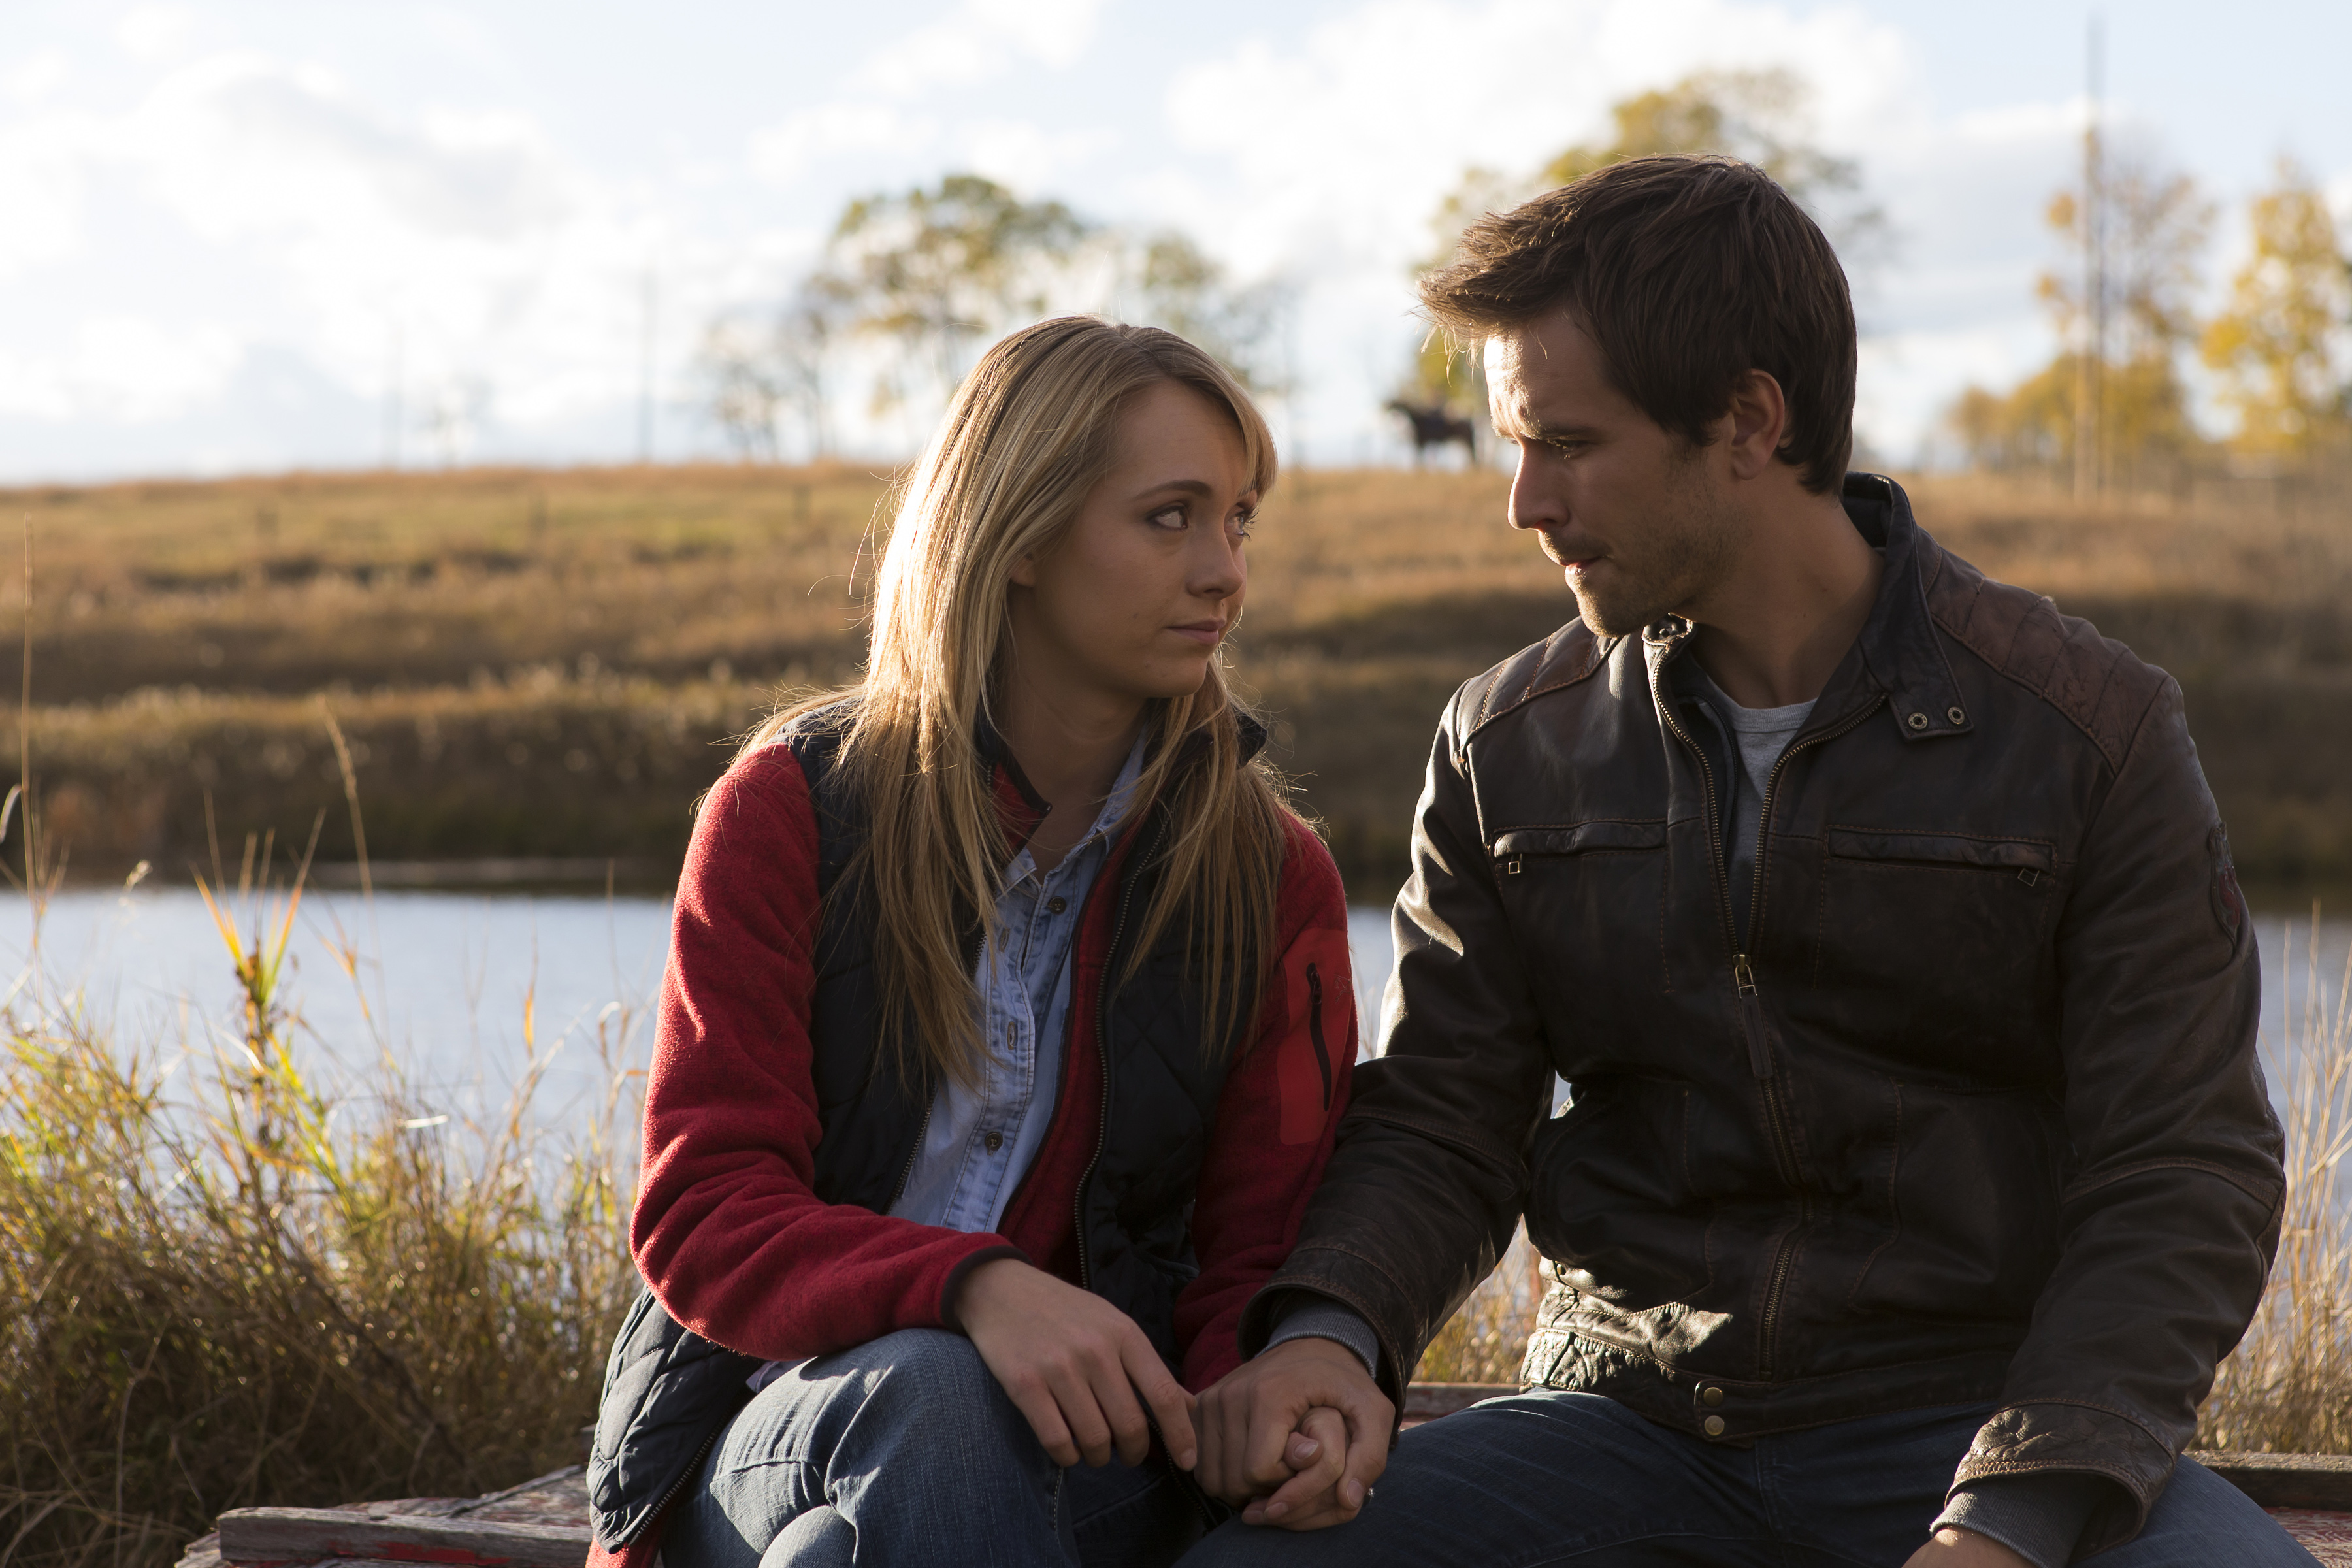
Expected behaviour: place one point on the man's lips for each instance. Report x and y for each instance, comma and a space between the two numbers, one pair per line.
1571, 556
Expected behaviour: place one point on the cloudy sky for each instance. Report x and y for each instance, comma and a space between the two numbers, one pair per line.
231, 232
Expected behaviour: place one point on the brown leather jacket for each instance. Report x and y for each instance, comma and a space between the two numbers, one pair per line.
1975, 1117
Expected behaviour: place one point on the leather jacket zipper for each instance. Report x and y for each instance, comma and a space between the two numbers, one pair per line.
1759, 1057
1750, 1001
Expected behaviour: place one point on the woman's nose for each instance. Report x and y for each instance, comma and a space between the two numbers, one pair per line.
1218, 570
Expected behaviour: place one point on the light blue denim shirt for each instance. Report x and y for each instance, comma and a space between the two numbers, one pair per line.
977, 1144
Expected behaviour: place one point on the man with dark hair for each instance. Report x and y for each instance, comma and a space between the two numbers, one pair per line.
1916, 1167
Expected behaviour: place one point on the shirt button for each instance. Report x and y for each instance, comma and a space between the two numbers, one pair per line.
1056, 904
1715, 1427
995, 1141
1713, 1396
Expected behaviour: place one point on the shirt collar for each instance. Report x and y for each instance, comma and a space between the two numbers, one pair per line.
1113, 810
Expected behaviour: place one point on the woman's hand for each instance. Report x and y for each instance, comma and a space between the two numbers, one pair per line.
1074, 1364
1255, 1418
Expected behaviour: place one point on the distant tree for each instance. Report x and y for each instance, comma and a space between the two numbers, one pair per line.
739, 386
1172, 283
2280, 348
936, 273
757, 369
2156, 228
1761, 116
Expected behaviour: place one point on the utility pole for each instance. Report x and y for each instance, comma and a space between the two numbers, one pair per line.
394, 371
646, 371
2091, 361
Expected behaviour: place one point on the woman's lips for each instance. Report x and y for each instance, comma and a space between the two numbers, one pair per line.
1208, 634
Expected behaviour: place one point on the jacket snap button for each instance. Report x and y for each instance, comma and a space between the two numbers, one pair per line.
1712, 1395
1056, 904
1956, 716
994, 1140
1715, 1427
1917, 721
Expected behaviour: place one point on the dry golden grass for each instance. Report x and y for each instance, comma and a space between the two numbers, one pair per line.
223, 1285
2288, 1386
1374, 593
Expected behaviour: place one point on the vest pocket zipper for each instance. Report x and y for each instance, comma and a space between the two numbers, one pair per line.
1315, 1029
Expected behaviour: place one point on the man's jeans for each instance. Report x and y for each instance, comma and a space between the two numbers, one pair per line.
906, 1451
1546, 1476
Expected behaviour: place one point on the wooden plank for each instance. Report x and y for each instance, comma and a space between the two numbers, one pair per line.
2286, 1480
257, 1537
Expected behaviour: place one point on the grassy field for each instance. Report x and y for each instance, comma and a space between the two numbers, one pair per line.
550, 663
221, 1283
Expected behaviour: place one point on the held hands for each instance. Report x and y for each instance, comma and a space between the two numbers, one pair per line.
1074, 1364
1296, 1438
1964, 1548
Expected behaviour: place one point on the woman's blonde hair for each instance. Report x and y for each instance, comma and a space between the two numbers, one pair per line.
1028, 435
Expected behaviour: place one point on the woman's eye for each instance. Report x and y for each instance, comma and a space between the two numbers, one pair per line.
1167, 517
1244, 524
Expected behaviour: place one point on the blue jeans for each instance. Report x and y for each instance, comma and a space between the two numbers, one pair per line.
1546, 1476
906, 1451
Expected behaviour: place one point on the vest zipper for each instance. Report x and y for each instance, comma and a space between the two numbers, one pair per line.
1102, 1049
693, 1468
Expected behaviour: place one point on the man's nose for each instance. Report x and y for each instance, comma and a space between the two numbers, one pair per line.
1535, 504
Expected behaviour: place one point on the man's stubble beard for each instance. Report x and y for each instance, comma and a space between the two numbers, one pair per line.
1686, 549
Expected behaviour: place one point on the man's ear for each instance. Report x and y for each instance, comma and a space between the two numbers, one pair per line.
1759, 421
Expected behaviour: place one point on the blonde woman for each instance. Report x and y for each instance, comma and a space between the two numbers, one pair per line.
1007, 1022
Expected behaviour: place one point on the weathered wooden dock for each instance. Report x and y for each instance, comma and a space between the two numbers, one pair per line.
544, 1523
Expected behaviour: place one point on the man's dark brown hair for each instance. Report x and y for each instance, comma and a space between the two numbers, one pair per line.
1688, 273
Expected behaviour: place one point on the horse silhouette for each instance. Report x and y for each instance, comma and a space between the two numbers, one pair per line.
1434, 426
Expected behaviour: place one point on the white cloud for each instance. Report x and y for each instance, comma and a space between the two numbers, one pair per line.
783, 154
153, 32
39, 76
979, 39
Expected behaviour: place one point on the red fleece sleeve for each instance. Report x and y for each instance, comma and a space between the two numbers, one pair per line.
1276, 1115
726, 1229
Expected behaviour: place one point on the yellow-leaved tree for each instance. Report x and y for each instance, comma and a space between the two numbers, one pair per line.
1761, 116
2280, 348
2155, 226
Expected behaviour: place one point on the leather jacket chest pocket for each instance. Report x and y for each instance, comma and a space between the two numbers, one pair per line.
1593, 895
1946, 935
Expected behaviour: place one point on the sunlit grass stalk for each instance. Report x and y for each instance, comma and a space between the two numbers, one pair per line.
2288, 1387
221, 1285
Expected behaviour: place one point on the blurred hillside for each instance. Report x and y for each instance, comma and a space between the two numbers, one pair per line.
550, 664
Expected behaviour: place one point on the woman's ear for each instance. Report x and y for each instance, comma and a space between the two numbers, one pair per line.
1024, 573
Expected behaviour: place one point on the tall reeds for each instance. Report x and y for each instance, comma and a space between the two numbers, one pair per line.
2288, 1386
223, 1284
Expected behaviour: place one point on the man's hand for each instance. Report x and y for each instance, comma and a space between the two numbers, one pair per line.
1074, 1364
1964, 1548
1256, 1422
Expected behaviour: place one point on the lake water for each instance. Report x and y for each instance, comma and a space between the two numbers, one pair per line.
451, 986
